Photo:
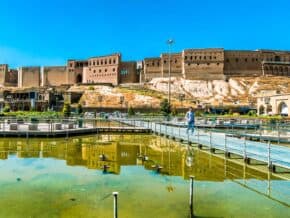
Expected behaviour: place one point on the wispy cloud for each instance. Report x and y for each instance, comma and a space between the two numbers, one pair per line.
16, 58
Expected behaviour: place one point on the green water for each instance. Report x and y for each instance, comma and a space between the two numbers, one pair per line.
65, 178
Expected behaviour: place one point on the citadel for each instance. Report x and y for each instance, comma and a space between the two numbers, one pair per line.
43, 87
203, 64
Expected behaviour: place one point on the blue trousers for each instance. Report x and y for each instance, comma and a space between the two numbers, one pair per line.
190, 126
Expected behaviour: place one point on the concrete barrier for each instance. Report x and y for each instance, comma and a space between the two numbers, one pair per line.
13, 126
57, 126
70, 126
32, 127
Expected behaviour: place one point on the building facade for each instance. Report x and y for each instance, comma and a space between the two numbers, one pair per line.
217, 63
103, 69
192, 64
273, 103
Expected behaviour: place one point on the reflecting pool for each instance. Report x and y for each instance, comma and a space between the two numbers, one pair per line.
76, 178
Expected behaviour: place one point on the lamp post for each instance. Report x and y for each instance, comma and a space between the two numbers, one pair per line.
169, 43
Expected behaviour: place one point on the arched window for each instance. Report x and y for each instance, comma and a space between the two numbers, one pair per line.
283, 109
261, 110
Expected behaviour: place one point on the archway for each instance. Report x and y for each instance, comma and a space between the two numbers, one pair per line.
269, 109
283, 108
261, 110
79, 78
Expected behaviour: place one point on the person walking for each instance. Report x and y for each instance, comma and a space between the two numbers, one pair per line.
189, 116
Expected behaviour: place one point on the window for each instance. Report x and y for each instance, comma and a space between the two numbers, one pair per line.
208, 63
105, 61
227, 60
210, 57
214, 57
114, 61
246, 60
94, 71
185, 57
164, 62
190, 57
94, 63
114, 69
217, 63
237, 59
188, 64
98, 62
100, 71
200, 57
110, 61
152, 63
101, 62
175, 61
204, 57
106, 70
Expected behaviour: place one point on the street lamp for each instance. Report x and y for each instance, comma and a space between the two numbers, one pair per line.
169, 43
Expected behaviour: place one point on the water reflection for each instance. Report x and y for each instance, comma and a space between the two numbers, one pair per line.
110, 152
222, 187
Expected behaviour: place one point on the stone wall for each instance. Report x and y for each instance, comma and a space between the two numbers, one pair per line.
54, 76
175, 65
29, 77
11, 78
3, 72
242, 63
75, 70
128, 72
103, 69
204, 64
152, 68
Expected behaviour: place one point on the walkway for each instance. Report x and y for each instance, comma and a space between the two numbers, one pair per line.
273, 155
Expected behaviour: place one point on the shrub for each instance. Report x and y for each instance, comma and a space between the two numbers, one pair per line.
252, 113
91, 88
131, 111
165, 107
6, 108
79, 109
66, 109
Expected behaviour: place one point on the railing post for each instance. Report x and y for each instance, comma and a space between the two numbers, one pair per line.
278, 133
197, 136
245, 149
226, 148
115, 194
210, 140
269, 155
191, 207
165, 129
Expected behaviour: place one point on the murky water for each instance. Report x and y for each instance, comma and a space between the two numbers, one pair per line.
59, 178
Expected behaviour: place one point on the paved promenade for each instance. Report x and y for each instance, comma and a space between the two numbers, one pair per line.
273, 155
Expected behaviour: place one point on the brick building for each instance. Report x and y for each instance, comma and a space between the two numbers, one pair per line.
110, 69
103, 69
218, 63
29, 77
3, 72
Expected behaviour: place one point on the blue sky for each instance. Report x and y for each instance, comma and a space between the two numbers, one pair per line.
34, 32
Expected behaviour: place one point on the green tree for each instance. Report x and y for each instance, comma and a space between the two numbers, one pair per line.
79, 109
66, 109
174, 111
6, 108
165, 107
131, 111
